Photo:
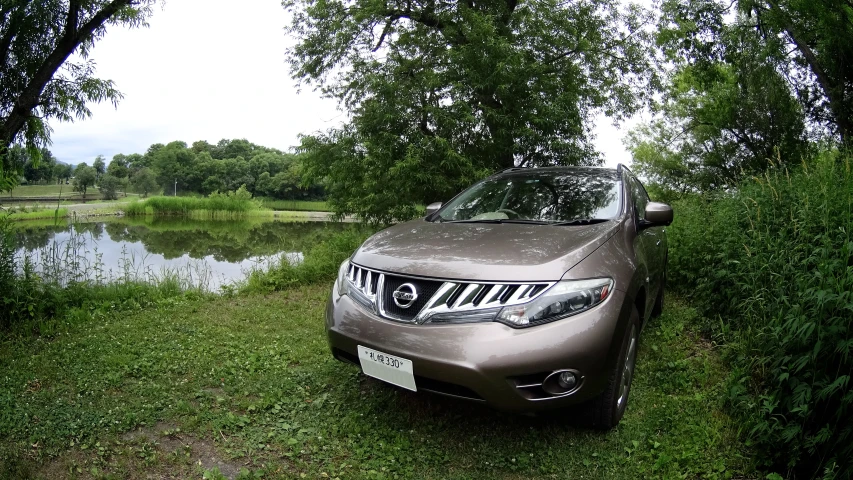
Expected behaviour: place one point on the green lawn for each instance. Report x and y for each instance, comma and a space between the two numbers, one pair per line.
246, 384
47, 191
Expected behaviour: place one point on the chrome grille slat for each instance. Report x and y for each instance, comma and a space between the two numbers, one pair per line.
493, 295
467, 295
517, 295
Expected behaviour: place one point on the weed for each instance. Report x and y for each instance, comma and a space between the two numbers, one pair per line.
771, 266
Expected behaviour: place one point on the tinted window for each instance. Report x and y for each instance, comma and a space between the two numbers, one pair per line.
640, 197
543, 196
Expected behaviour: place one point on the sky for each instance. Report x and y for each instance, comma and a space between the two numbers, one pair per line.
206, 70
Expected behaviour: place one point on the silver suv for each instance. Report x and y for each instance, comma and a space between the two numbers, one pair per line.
527, 291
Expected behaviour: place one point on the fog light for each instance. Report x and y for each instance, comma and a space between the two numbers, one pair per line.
567, 380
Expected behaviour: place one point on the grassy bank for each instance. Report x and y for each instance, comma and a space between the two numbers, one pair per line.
770, 266
295, 205
46, 191
247, 383
36, 213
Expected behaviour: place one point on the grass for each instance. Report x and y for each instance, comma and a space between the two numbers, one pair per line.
245, 386
216, 206
35, 213
295, 205
48, 191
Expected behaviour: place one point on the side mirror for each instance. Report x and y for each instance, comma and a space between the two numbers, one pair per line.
658, 214
432, 208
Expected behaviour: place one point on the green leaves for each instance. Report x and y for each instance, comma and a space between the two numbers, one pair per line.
37, 83
441, 93
727, 112
774, 276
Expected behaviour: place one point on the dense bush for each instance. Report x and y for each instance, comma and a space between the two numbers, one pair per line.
319, 264
771, 266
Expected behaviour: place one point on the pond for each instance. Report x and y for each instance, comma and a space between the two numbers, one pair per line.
206, 254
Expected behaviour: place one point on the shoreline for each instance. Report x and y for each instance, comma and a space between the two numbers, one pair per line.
86, 211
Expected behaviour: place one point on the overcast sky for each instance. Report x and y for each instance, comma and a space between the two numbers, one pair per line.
208, 70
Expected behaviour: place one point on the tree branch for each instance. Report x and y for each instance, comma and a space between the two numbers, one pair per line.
73, 17
385, 30
65, 46
11, 32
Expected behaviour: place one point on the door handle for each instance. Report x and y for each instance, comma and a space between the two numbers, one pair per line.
658, 243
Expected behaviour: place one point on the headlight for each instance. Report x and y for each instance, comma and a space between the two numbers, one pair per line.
343, 283
562, 300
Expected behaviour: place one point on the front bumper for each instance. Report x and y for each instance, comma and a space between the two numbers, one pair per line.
487, 361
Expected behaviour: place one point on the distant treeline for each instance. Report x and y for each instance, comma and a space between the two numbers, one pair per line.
201, 168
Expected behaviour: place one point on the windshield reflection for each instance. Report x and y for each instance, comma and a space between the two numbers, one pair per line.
539, 196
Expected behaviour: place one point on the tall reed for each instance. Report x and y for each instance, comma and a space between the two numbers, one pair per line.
217, 206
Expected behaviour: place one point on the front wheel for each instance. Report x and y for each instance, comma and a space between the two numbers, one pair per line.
605, 411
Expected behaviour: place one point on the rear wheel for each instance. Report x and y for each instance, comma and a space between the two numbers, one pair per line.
605, 411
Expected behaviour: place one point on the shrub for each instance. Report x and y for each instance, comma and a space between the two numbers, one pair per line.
771, 265
109, 187
319, 264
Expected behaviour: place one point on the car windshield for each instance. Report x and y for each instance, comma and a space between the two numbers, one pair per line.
546, 197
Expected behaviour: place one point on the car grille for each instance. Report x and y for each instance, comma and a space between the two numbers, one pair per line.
425, 288
438, 301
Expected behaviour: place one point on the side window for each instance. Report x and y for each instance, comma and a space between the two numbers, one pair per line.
640, 197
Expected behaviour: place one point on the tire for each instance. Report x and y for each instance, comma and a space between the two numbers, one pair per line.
657, 309
605, 411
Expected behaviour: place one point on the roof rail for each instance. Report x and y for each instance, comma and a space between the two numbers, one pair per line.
511, 169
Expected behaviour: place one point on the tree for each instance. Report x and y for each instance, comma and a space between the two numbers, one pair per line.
819, 66
109, 187
84, 177
100, 166
808, 41
37, 84
40, 171
144, 181
726, 111
441, 93
61, 172
119, 166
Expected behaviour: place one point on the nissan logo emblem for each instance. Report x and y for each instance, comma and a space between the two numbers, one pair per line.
405, 295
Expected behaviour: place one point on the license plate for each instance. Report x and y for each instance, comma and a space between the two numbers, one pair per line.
388, 368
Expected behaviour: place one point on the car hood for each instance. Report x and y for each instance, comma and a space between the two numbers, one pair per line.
482, 251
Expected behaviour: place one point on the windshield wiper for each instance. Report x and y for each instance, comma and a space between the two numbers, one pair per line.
481, 220
581, 221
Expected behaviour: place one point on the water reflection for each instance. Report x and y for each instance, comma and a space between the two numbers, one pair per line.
213, 253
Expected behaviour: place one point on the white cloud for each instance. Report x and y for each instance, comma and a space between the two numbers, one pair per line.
207, 70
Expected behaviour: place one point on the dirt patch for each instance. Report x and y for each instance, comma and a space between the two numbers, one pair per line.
169, 439
159, 452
